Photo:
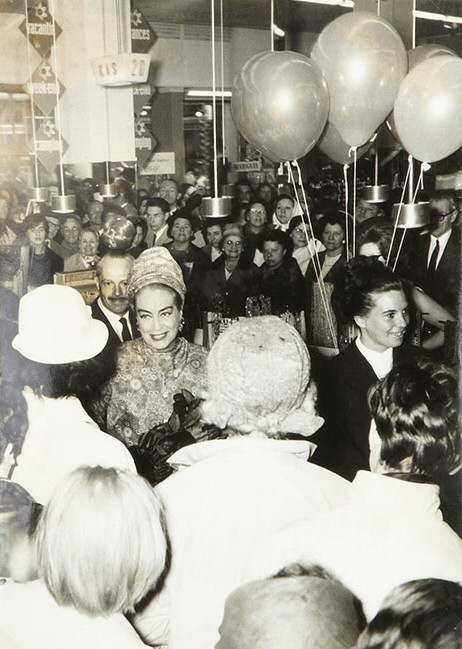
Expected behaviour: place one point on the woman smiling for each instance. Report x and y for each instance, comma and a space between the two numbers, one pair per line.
154, 367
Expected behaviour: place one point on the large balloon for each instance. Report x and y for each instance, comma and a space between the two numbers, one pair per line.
427, 51
332, 145
428, 115
280, 103
364, 61
415, 56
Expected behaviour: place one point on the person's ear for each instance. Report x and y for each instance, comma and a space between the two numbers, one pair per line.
359, 321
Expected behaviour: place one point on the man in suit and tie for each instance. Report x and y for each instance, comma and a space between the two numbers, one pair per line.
157, 211
111, 307
435, 257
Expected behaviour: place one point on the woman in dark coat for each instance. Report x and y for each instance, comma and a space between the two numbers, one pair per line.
280, 276
371, 297
231, 279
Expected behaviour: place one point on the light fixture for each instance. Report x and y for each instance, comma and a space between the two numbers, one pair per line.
376, 193
334, 3
62, 203
37, 194
216, 206
123, 68
218, 94
428, 15
411, 215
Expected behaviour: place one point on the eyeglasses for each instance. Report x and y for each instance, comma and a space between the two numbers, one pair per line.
261, 212
437, 215
235, 244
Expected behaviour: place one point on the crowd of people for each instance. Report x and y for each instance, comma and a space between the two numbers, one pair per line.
248, 439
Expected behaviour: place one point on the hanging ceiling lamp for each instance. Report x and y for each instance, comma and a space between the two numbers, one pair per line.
376, 193
37, 194
411, 215
123, 68
62, 203
218, 206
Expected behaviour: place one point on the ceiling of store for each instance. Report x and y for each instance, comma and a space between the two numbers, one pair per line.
289, 14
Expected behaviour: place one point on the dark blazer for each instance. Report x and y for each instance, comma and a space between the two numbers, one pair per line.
334, 272
113, 341
343, 440
445, 285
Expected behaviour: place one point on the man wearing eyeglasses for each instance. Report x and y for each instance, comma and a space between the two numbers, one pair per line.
435, 258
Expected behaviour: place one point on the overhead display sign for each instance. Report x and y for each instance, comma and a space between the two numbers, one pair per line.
160, 163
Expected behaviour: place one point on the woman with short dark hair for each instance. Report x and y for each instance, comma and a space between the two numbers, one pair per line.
43, 262
370, 297
280, 278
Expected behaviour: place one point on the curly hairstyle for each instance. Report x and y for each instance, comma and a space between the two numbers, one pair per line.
416, 411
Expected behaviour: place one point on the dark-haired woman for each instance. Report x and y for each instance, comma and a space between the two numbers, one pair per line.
280, 278
193, 262
371, 297
139, 241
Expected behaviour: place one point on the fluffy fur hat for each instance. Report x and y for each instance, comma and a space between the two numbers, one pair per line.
258, 380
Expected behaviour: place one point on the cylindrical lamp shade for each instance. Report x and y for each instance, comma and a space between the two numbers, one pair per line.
411, 215
108, 190
39, 194
216, 207
63, 204
375, 193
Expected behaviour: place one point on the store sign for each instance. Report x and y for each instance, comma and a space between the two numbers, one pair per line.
40, 28
144, 142
49, 146
44, 88
142, 94
143, 37
121, 69
160, 163
253, 165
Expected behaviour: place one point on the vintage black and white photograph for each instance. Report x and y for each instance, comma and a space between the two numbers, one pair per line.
230, 244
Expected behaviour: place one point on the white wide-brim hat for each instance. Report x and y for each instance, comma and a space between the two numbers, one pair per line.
56, 327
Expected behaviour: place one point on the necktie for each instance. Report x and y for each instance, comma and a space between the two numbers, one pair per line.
432, 265
126, 335
154, 237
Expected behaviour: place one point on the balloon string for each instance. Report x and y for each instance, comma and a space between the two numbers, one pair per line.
222, 62
58, 112
214, 102
355, 160
347, 200
315, 258
272, 25
423, 167
400, 205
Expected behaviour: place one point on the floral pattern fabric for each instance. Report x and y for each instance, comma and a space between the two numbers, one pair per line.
140, 395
